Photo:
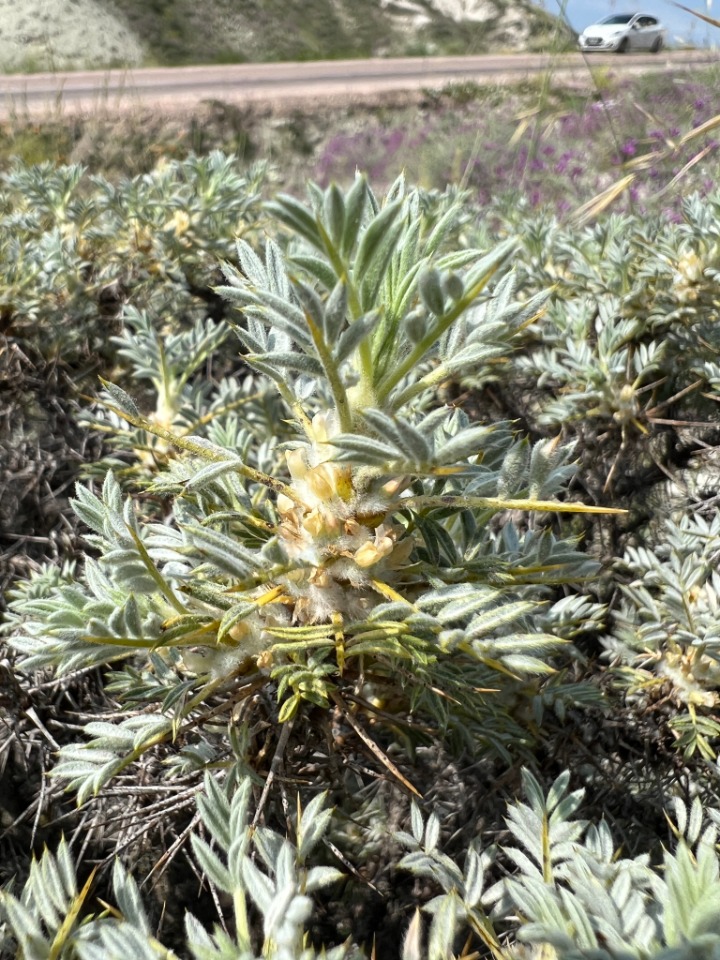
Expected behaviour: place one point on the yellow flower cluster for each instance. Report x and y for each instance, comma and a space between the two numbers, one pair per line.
688, 276
338, 531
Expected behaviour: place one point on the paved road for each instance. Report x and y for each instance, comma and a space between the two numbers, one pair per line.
182, 88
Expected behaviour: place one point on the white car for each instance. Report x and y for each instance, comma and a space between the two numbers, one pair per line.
623, 32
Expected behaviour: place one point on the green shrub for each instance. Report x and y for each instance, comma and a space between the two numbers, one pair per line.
357, 556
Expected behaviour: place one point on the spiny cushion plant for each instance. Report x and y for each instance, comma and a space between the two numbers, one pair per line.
665, 631
572, 895
75, 251
625, 364
357, 562
77, 248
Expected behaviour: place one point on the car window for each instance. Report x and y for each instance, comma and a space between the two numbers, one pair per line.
618, 18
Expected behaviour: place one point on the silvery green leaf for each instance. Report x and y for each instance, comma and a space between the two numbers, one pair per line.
320, 877
215, 811
252, 266
375, 275
526, 824
259, 886
546, 934
600, 843
113, 499
109, 736
522, 665
412, 944
128, 899
584, 935
316, 195
409, 441
364, 449
284, 866
440, 546
206, 475
252, 343
211, 864
460, 609
567, 806
523, 862
372, 201
695, 823
442, 929
334, 213
318, 268
621, 889
489, 262
374, 242
312, 826
298, 362
89, 774
198, 939
466, 443
66, 869
89, 509
25, 927
437, 598
557, 791
354, 334
680, 814
297, 216
277, 278
239, 808
298, 913
406, 839
449, 219
311, 304
354, 210
416, 820
232, 617
636, 922
474, 878
282, 315
268, 844
432, 833
436, 865
118, 942
336, 308
398, 190
481, 626
38, 888
277, 914
459, 258
513, 474
122, 400
223, 551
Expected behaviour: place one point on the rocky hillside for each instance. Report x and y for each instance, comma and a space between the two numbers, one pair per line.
56, 34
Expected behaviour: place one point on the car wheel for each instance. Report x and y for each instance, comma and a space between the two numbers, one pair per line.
623, 45
657, 46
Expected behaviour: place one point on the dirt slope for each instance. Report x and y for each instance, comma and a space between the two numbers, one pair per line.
64, 34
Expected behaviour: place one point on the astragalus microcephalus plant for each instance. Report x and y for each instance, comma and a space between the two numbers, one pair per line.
359, 561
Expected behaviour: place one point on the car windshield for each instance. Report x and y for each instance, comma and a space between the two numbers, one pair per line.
618, 18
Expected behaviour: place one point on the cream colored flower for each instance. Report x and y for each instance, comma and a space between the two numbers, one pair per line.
180, 223
381, 546
689, 273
